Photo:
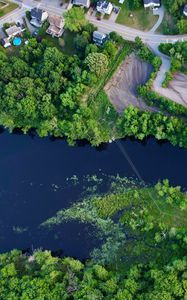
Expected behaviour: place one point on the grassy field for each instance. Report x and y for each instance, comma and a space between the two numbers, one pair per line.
139, 19
136, 222
10, 7
68, 38
158, 208
2, 4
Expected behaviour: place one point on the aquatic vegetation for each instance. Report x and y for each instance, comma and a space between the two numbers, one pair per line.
134, 221
19, 229
142, 254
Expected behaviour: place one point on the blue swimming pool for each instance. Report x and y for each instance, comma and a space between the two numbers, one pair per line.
17, 41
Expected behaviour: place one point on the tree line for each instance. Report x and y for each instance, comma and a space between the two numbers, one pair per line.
178, 60
143, 257
43, 88
179, 22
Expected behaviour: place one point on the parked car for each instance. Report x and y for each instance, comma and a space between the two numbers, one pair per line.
116, 9
35, 33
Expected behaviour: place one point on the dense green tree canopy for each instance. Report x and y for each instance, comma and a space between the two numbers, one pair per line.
97, 63
75, 19
176, 23
174, 6
42, 276
143, 256
45, 89
178, 53
134, 4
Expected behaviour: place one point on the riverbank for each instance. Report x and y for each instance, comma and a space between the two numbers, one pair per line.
60, 101
42, 176
143, 233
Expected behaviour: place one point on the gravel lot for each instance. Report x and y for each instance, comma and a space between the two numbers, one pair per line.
177, 89
122, 87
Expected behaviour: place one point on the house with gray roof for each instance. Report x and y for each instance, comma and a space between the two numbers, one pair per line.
99, 38
38, 16
152, 3
185, 10
83, 3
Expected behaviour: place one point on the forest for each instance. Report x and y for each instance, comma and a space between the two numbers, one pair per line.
56, 94
178, 54
175, 22
143, 255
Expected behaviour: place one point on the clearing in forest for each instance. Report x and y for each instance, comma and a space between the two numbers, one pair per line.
122, 87
176, 90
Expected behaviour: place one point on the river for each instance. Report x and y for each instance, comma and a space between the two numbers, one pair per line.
33, 184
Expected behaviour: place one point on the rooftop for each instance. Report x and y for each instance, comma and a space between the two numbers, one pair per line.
56, 25
36, 13
55, 20
103, 3
99, 35
151, 1
81, 2
13, 30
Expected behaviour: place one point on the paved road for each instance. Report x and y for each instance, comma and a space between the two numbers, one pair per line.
177, 89
128, 33
16, 15
105, 26
51, 6
158, 12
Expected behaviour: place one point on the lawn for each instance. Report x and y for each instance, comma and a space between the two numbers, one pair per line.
139, 19
64, 43
2, 4
169, 214
68, 38
10, 7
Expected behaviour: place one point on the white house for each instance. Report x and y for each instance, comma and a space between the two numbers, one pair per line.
152, 3
185, 10
104, 7
83, 3
38, 17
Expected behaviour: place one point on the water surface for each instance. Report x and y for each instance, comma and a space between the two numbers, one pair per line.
34, 186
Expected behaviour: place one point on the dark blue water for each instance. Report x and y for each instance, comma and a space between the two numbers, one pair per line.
33, 184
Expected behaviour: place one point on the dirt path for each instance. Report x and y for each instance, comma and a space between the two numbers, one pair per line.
122, 87
177, 89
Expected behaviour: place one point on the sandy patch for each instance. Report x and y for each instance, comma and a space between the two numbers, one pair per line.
177, 89
122, 87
